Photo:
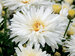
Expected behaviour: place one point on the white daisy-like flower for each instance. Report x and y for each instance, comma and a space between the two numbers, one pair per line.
38, 26
71, 46
67, 6
28, 51
68, 1
14, 4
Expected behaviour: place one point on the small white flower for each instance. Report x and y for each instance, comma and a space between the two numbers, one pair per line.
71, 46
14, 4
67, 6
69, 1
38, 26
28, 51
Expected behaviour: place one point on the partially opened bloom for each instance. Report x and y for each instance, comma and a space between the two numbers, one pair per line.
66, 8
56, 8
28, 51
15, 4
38, 26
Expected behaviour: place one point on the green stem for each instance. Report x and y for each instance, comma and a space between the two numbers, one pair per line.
5, 23
67, 27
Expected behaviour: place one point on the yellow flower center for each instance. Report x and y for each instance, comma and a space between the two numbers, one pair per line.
31, 54
28, 1
24, 2
37, 25
71, 12
69, 1
56, 8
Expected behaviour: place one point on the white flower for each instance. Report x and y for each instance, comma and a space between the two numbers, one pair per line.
28, 51
71, 46
67, 6
38, 26
14, 4
68, 1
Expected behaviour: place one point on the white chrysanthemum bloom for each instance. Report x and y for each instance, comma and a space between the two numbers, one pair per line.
69, 1
71, 46
28, 51
38, 26
14, 4
67, 6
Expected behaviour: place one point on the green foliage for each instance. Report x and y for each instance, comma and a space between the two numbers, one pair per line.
6, 44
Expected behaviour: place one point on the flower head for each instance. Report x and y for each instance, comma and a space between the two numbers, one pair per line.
67, 6
56, 8
69, 1
28, 51
71, 46
14, 4
71, 12
38, 26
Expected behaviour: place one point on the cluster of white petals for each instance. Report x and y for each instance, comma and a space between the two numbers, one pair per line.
28, 51
39, 22
14, 4
71, 46
38, 26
